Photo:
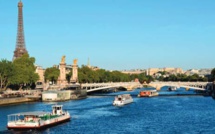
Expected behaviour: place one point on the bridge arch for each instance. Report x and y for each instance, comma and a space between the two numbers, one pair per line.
101, 86
186, 85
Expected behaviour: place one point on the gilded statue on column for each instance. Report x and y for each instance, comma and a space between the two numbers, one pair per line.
63, 59
75, 61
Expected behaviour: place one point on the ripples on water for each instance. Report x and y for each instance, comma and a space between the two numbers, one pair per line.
96, 114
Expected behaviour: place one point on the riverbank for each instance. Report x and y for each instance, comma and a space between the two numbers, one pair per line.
8, 101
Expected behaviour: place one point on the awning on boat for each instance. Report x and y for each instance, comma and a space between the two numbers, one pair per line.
36, 113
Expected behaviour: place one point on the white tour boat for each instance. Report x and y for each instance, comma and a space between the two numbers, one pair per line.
172, 88
38, 119
122, 100
147, 93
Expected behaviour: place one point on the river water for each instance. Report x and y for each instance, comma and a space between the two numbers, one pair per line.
96, 114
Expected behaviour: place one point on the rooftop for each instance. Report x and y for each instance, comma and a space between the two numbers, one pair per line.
35, 113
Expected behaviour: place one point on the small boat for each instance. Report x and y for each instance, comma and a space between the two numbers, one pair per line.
172, 88
38, 119
122, 100
148, 93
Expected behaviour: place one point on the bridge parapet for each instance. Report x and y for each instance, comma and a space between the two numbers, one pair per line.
193, 85
101, 86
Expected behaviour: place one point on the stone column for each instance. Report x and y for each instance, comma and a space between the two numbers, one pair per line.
62, 77
74, 77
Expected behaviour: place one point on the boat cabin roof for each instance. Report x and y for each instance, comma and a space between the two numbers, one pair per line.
149, 90
124, 95
57, 106
35, 113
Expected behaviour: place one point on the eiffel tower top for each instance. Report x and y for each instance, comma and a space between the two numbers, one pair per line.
20, 4
20, 41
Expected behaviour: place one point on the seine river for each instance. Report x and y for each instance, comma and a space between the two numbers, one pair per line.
96, 114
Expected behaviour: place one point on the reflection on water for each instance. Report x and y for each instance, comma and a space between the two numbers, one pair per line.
96, 114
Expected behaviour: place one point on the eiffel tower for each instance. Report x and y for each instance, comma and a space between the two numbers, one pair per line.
20, 41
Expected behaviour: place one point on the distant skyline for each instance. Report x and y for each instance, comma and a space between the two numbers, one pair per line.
113, 34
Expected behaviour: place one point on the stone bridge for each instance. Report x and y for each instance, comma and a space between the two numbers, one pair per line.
100, 86
187, 85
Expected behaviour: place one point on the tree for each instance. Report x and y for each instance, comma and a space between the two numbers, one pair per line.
194, 77
25, 72
102, 77
81, 77
116, 76
52, 74
7, 71
107, 77
133, 76
149, 79
142, 78
213, 74
162, 72
86, 74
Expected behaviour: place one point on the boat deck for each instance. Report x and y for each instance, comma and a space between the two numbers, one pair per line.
47, 117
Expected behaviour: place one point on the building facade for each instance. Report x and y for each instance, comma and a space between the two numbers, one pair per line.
153, 71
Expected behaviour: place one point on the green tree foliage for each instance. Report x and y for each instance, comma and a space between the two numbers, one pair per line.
116, 76
213, 74
52, 74
183, 77
7, 71
163, 72
143, 77
102, 75
87, 75
25, 72
149, 79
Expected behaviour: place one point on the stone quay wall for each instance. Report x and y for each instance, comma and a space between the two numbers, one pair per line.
6, 101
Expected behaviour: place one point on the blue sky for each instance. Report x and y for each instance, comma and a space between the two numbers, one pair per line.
114, 34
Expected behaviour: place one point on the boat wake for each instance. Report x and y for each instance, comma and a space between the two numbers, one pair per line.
21, 132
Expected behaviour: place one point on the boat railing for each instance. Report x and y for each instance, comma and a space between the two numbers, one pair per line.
47, 117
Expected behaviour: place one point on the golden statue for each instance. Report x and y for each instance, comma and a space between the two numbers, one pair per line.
63, 59
75, 61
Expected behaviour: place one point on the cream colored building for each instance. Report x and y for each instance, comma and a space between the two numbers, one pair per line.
152, 71
137, 71
173, 70
40, 71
